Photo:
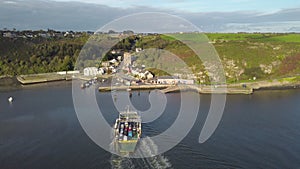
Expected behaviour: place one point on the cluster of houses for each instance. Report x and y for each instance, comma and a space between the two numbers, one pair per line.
107, 67
138, 72
125, 64
27, 34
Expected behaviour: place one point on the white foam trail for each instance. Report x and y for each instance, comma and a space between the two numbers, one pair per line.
146, 147
118, 162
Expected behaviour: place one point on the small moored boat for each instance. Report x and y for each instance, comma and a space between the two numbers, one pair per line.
10, 99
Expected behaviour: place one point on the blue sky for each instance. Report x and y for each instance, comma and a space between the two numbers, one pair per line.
267, 6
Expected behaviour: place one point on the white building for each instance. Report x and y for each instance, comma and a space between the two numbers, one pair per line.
146, 75
114, 62
92, 71
9, 35
137, 50
119, 58
68, 72
150, 76
101, 71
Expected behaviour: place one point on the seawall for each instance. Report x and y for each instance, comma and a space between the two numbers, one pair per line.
42, 78
137, 87
177, 88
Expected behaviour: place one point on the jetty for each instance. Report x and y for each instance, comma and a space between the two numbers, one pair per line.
43, 78
179, 88
136, 87
208, 89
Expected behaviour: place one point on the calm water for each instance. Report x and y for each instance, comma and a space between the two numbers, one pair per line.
40, 130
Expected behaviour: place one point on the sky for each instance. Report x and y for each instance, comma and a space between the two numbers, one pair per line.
209, 15
265, 6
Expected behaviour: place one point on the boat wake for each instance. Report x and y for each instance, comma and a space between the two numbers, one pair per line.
147, 148
118, 162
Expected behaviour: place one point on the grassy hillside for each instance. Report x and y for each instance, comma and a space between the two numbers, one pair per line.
265, 55
244, 56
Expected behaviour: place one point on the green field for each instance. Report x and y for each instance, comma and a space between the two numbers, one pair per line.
245, 56
263, 37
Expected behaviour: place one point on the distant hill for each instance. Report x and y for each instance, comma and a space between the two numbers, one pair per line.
44, 14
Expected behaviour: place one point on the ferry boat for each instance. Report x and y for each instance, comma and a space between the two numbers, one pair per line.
127, 131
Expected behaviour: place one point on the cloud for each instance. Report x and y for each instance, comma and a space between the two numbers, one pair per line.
9, 2
38, 14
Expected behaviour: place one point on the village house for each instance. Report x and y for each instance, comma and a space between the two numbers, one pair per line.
149, 75
112, 69
114, 52
105, 64
9, 35
69, 34
142, 74
92, 71
113, 62
119, 58
58, 34
137, 50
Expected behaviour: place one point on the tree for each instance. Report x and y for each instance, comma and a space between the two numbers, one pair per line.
67, 64
111, 31
33, 59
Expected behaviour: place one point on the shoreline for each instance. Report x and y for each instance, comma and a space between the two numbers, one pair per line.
178, 88
237, 88
201, 90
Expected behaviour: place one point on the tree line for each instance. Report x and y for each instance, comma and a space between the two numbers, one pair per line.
40, 55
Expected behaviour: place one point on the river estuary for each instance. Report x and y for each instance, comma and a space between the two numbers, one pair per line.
40, 129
